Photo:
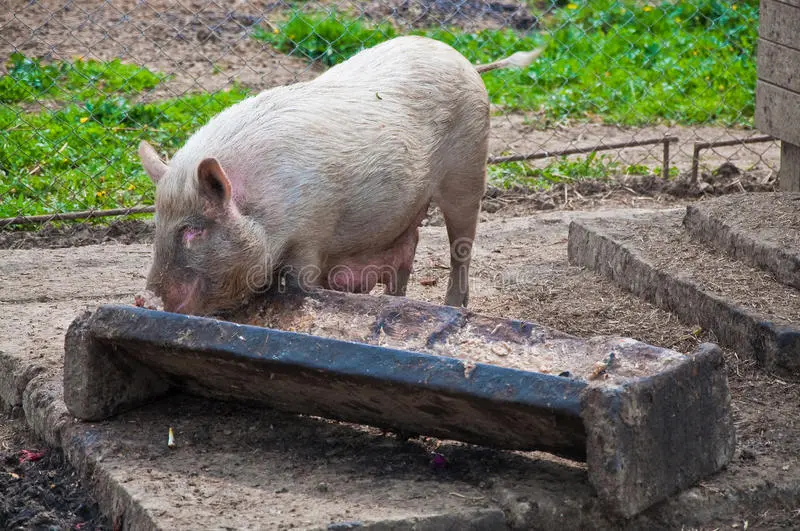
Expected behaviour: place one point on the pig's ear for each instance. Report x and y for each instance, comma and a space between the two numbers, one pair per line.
214, 185
153, 165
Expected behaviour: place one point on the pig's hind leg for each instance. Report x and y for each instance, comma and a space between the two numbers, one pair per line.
460, 203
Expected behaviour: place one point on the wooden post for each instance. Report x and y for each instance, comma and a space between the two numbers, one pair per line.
789, 174
778, 87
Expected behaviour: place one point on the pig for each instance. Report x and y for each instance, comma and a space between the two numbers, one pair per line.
326, 181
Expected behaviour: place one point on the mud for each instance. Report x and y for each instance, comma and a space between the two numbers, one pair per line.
40, 489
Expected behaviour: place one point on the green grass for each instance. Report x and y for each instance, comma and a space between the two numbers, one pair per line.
29, 80
563, 170
326, 37
84, 156
685, 61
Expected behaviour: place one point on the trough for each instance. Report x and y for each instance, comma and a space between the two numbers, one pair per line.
647, 421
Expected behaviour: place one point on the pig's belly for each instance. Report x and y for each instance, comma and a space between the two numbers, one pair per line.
360, 272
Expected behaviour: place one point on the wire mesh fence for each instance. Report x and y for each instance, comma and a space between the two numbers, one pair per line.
83, 82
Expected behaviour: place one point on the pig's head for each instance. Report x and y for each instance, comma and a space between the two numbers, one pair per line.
207, 254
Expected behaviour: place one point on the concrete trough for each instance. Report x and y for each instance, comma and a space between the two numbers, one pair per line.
648, 421
657, 259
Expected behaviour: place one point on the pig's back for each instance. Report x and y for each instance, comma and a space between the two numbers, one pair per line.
393, 121
353, 155
402, 60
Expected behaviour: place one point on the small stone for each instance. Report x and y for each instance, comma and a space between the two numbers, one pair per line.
322, 487
543, 202
747, 455
491, 206
492, 191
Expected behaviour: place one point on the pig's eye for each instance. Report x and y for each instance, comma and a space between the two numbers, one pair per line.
191, 234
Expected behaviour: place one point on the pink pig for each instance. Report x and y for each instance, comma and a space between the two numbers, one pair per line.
326, 180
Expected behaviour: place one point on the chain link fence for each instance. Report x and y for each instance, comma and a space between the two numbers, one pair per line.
626, 90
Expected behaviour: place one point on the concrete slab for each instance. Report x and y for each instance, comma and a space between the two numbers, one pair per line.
38, 275
760, 229
243, 468
40, 292
654, 258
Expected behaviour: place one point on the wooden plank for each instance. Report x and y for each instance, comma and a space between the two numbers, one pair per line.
789, 174
778, 64
779, 22
778, 112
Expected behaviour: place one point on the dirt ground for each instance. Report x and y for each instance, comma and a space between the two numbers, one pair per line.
520, 270
205, 45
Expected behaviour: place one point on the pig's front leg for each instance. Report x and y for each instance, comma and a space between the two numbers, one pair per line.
303, 271
401, 258
397, 283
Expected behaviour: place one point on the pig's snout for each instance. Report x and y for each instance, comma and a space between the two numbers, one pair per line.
181, 296
184, 297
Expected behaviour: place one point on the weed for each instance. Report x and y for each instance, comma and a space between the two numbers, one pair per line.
326, 37
83, 155
562, 170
